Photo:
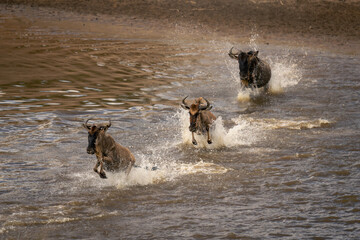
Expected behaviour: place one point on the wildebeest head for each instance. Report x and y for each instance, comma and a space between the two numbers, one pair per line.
247, 63
93, 133
194, 111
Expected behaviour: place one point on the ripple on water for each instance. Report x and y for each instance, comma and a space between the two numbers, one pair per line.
295, 124
270, 191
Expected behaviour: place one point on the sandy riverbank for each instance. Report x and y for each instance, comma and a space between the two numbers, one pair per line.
324, 24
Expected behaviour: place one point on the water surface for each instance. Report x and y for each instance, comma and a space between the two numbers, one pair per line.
284, 164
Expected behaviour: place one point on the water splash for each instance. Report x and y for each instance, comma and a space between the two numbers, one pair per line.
161, 155
201, 167
167, 170
285, 73
252, 41
242, 133
246, 94
294, 124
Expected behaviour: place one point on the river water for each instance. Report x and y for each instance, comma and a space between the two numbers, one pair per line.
284, 164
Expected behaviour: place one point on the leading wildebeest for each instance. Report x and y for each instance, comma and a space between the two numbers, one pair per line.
254, 72
200, 117
110, 154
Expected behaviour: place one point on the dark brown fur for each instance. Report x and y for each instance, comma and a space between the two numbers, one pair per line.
254, 72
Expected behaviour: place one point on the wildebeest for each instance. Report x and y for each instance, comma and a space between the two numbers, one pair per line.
200, 117
254, 72
110, 154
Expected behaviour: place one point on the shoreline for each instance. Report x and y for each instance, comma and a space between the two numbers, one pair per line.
322, 25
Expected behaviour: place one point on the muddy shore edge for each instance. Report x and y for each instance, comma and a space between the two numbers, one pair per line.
332, 25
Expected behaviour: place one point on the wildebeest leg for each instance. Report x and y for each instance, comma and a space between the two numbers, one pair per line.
108, 160
128, 169
244, 84
208, 136
102, 173
100, 163
193, 139
96, 166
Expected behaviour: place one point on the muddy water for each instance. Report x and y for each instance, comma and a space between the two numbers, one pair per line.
284, 164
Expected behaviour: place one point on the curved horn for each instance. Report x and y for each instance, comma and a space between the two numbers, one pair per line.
109, 125
86, 124
207, 107
234, 55
184, 105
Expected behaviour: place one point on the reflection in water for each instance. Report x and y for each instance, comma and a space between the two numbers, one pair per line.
45, 69
283, 163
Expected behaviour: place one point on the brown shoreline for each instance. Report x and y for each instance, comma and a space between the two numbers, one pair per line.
333, 25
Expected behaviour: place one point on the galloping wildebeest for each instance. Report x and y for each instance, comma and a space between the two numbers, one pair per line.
110, 154
200, 117
254, 72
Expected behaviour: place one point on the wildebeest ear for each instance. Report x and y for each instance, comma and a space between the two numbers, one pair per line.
256, 53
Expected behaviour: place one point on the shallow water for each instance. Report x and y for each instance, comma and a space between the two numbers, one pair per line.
283, 163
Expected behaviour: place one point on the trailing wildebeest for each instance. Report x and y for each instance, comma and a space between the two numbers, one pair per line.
110, 154
200, 117
254, 72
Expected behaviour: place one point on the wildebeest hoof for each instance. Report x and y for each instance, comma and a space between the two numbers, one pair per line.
194, 142
209, 141
102, 175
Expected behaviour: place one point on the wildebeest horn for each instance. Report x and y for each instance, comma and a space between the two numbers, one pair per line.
184, 105
109, 125
86, 125
234, 55
207, 107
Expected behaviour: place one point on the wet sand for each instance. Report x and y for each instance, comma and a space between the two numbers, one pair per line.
333, 25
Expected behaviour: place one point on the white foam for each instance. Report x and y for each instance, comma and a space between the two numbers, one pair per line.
242, 133
295, 124
284, 74
200, 167
168, 169
244, 95
138, 176
252, 41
